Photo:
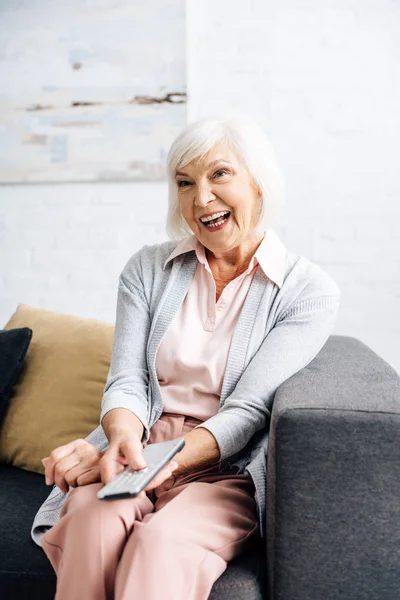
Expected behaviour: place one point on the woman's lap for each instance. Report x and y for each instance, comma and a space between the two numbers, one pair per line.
216, 511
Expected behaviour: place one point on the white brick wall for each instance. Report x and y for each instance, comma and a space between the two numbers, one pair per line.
64, 246
323, 80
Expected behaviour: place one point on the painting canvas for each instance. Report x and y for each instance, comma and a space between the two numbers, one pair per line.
90, 91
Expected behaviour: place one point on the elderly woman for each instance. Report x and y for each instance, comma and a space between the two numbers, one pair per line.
208, 326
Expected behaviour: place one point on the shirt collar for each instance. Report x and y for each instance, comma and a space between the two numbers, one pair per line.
270, 255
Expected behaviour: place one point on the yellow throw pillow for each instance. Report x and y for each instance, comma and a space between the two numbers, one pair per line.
57, 397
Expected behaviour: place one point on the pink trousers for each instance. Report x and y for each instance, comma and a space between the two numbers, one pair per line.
170, 545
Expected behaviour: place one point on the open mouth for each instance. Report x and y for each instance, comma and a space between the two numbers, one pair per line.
217, 223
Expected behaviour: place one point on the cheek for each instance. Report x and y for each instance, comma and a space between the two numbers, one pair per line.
188, 214
187, 211
246, 213
183, 208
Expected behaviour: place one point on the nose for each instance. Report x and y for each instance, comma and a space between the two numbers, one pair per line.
203, 196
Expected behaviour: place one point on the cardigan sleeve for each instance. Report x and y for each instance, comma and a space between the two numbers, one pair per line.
128, 378
297, 337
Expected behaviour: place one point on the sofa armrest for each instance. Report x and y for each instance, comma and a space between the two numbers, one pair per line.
333, 478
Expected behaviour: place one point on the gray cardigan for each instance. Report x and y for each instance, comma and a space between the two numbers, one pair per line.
279, 331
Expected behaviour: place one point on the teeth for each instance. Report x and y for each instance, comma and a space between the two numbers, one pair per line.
214, 216
216, 224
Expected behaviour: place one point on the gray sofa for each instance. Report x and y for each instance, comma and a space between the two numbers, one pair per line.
333, 493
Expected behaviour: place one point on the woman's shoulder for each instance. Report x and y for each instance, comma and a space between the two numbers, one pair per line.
147, 261
305, 279
154, 252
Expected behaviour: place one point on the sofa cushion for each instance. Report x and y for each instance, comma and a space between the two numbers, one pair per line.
13, 347
58, 398
25, 571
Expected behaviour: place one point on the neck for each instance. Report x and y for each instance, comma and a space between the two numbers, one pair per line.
236, 259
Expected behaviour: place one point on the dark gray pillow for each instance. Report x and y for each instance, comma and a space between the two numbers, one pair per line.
14, 344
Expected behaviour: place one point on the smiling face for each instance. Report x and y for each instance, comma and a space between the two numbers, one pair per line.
219, 183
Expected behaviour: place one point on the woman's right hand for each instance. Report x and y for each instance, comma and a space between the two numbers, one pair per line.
126, 449
80, 463
73, 464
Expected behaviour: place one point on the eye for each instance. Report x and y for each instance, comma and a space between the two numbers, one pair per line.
220, 171
182, 182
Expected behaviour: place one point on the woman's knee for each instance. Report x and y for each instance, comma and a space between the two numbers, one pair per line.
83, 504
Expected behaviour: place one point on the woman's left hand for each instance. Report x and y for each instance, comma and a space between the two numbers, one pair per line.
161, 477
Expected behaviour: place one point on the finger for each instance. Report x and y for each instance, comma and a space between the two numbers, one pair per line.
59, 453
89, 463
44, 462
111, 463
132, 449
68, 468
126, 450
162, 475
63, 466
92, 475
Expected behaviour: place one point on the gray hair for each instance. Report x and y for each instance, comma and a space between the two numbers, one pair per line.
250, 144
